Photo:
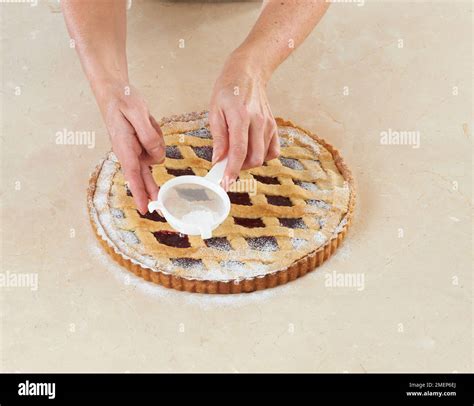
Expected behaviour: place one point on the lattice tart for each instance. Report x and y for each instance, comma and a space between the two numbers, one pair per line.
290, 215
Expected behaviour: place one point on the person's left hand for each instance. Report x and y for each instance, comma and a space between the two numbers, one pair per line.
240, 118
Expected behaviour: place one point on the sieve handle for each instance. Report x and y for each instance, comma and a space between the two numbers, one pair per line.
205, 233
217, 171
154, 205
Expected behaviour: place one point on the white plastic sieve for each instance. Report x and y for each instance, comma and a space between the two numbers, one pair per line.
194, 205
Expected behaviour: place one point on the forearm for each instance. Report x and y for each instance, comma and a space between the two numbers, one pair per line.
281, 27
98, 29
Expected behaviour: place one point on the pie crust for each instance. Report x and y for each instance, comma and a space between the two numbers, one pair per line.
298, 217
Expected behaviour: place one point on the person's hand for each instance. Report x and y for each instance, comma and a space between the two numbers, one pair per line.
136, 138
241, 122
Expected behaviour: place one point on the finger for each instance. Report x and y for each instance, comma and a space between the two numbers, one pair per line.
238, 144
150, 137
157, 127
133, 174
220, 135
256, 145
273, 148
272, 142
150, 185
271, 129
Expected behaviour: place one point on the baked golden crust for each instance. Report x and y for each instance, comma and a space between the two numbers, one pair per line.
296, 262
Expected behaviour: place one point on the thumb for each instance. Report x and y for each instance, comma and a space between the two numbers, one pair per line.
220, 135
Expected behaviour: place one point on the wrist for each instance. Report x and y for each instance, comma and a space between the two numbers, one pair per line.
107, 87
249, 60
104, 69
105, 72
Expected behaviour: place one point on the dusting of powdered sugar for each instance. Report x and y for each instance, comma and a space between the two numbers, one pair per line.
319, 238
291, 163
117, 213
293, 134
320, 204
344, 252
180, 298
129, 237
200, 133
201, 217
298, 243
312, 187
233, 266
263, 245
122, 243
236, 270
340, 226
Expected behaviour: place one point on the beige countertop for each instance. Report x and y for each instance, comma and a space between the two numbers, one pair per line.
366, 70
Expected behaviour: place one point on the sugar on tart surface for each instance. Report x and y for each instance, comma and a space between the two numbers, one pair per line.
293, 218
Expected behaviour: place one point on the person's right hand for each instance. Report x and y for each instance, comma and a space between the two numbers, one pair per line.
136, 138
